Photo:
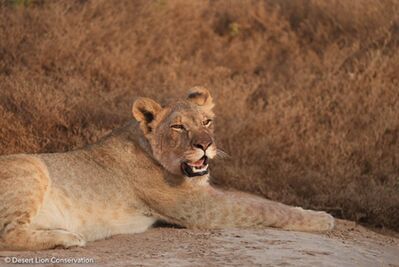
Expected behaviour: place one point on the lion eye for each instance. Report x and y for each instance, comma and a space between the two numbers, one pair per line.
177, 127
207, 122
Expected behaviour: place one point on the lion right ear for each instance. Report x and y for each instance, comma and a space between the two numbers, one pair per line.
201, 97
145, 111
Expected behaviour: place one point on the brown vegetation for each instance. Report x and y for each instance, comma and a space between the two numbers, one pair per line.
307, 91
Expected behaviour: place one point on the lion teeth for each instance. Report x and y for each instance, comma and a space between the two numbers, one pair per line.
196, 169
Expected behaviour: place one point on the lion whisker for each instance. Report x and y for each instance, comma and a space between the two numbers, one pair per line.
221, 154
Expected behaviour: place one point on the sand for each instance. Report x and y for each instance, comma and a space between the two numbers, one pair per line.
347, 245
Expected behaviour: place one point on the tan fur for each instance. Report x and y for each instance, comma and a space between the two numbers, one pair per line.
129, 180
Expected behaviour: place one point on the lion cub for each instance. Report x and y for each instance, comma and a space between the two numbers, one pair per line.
156, 169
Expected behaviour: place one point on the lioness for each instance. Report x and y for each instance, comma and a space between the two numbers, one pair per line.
156, 169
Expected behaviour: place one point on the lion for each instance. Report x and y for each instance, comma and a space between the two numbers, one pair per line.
153, 169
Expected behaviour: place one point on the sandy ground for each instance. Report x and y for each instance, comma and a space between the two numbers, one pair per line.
348, 245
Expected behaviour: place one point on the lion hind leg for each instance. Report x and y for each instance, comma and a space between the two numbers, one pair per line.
24, 182
25, 237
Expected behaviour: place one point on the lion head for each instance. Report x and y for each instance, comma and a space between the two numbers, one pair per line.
181, 133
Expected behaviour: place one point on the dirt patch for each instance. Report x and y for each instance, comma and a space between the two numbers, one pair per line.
348, 245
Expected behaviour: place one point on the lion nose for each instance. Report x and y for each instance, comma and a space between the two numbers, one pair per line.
203, 143
203, 146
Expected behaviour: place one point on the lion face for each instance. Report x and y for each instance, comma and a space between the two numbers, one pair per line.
180, 134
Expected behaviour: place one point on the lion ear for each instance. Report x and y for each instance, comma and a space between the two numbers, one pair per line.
201, 97
145, 111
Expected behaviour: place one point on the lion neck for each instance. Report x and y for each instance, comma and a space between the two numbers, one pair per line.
129, 156
126, 149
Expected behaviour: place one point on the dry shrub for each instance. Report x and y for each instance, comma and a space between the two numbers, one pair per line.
307, 91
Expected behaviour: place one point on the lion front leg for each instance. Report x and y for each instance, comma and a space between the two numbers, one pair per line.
214, 209
309, 220
254, 211
263, 212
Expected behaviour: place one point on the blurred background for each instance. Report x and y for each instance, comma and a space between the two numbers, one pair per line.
307, 91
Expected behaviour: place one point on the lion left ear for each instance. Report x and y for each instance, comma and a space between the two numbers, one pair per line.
201, 96
145, 111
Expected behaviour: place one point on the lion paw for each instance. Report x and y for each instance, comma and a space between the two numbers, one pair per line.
322, 221
68, 239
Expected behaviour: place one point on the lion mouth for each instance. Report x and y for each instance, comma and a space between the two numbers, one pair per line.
197, 168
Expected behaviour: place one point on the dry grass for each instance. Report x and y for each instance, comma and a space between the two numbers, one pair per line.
307, 91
